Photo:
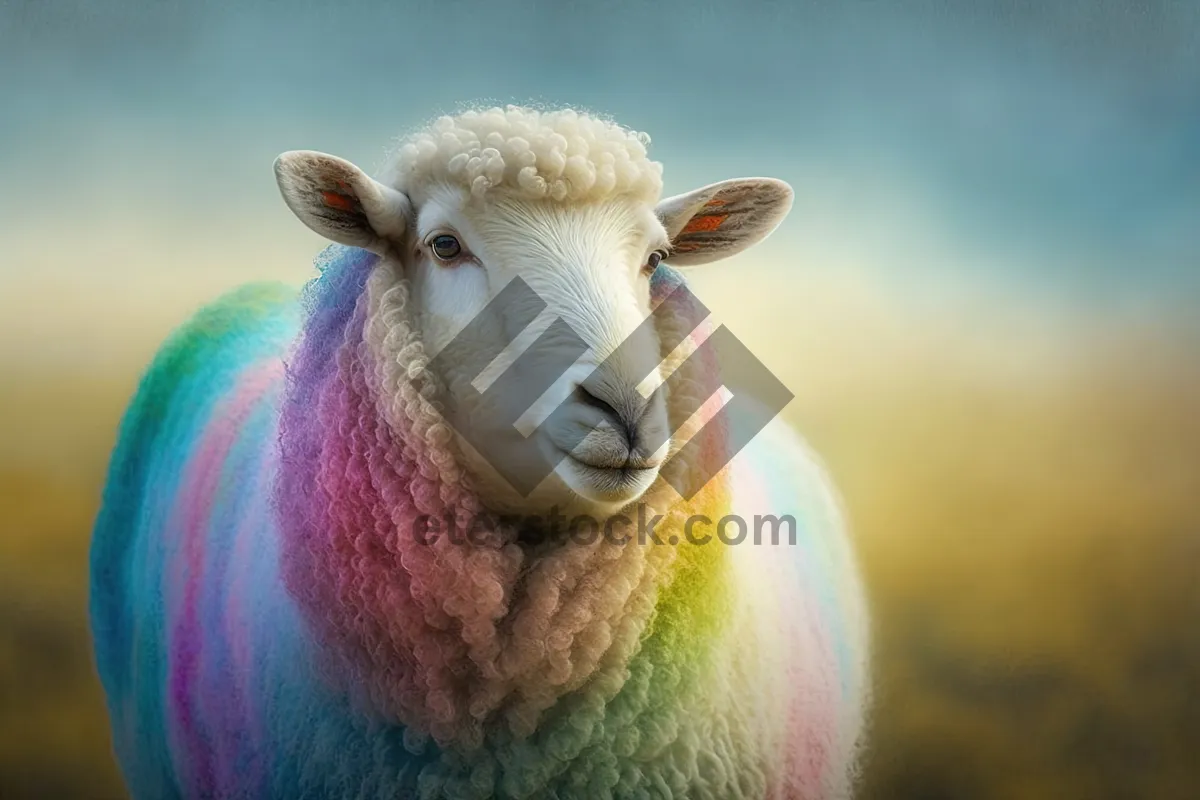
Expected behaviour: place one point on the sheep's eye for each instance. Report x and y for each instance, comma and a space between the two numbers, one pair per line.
445, 247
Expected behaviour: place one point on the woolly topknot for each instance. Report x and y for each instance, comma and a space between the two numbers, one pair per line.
561, 154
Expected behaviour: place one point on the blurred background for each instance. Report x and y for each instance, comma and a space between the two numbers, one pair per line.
987, 302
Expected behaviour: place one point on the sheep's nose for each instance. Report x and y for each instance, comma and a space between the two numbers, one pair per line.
640, 422
622, 409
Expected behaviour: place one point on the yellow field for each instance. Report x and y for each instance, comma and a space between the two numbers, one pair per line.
1032, 549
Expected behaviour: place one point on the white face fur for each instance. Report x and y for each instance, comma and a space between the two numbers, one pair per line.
589, 262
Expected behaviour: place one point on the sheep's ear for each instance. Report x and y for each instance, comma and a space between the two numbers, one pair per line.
339, 201
722, 219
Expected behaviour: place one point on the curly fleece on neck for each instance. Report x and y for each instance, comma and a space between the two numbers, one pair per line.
450, 636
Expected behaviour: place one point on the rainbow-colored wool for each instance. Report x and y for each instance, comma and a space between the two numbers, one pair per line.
267, 625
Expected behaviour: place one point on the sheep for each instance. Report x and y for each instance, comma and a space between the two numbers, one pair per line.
270, 614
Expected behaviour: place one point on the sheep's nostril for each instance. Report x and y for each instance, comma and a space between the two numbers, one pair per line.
621, 418
590, 399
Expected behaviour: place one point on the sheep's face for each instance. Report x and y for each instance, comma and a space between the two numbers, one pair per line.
590, 265
546, 299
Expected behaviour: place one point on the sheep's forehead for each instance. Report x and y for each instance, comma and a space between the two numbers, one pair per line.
504, 224
560, 155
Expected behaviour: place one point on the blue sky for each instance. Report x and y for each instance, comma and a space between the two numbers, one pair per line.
1048, 149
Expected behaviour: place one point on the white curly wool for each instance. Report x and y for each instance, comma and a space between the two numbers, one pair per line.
563, 155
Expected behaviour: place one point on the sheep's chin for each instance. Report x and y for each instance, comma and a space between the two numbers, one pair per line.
608, 490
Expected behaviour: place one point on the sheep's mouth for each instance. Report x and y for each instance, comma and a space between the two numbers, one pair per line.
610, 484
612, 476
